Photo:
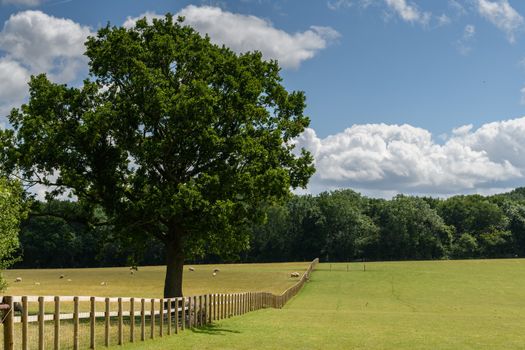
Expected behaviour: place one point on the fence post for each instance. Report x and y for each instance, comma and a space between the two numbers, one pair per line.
142, 319
57, 323
176, 314
169, 315
195, 320
107, 322
92, 324
161, 310
41, 323
198, 306
75, 323
152, 331
132, 320
183, 313
9, 324
24, 323
120, 322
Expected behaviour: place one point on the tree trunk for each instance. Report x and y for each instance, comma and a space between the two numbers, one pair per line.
174, 268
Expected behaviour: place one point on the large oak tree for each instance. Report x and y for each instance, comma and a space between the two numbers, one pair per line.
175, 137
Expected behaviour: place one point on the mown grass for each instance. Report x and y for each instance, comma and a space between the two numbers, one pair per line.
475, 304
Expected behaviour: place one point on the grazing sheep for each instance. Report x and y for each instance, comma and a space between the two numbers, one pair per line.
191, 268
102, 283
69, 279
295, 274
61, 276
18, 279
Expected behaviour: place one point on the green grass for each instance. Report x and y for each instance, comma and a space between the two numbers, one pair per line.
476, 304
148, 281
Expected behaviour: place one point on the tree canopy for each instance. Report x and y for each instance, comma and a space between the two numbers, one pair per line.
174, 137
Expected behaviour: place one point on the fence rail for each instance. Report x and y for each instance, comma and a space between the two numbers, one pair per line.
85, 322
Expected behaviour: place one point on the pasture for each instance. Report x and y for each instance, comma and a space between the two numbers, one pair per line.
148, 281
473, 304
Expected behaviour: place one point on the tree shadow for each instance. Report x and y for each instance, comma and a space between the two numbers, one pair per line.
213, 329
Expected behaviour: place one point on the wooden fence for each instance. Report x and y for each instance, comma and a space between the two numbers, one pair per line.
80, 322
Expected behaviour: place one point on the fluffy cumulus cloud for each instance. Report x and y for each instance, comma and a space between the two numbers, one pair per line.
502, 15
409, 12
381, 159
248, 33
33, 42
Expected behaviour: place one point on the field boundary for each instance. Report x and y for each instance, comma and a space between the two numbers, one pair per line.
123, 319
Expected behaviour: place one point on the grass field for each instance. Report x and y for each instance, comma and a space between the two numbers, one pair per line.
476, 304
148, 281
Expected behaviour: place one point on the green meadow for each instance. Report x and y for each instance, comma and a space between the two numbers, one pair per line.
472, 304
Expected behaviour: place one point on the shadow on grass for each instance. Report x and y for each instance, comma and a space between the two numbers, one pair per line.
213, 329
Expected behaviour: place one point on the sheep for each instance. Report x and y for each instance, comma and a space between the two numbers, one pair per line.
102, 283
295, 274
216, 270
191, 268
69, 280
18, 279
214, 274
37, 283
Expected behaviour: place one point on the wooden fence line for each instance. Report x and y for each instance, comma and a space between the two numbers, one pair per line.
170, 315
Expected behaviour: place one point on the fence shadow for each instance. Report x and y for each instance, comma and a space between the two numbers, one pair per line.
213, 329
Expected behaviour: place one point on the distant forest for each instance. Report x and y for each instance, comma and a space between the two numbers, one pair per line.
334, 226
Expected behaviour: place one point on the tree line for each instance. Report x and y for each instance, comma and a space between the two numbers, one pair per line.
335, 226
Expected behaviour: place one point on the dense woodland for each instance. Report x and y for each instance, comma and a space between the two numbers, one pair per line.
336, 226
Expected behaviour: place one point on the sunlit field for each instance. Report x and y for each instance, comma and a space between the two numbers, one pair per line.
475, 304
148, 281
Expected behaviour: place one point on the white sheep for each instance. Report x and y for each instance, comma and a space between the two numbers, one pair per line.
191, 268
214, 274
102, 283
69, 280
295, 274
18, 279
37, 283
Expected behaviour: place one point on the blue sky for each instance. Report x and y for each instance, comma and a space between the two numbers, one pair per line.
411, 96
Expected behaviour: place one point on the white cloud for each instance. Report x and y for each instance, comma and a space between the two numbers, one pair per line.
502, 15
34, 42
248, 33
30, 3
464, 43
130, 21
338, 4
403, 158
409, 12
13, 86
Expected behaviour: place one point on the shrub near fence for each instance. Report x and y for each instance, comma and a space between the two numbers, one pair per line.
67, 322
